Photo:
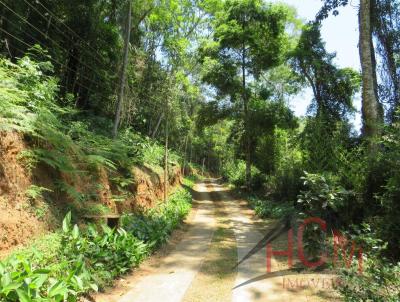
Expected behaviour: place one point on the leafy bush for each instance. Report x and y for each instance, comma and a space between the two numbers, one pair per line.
106, 253
80, 261
379, 282
154, 225
235, 173
190, 180
322, 197
269, 209
153, 154
388, 171
379, 279
21, 282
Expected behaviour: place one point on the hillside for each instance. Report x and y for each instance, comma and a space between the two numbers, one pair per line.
32, 203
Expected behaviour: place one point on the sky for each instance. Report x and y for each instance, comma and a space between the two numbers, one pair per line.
341, 36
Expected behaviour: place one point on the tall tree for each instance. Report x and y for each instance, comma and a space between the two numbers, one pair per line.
174, 24
123, 70
249, 37
333, 88
371, 108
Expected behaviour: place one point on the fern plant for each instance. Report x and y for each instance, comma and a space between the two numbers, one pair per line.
35, 192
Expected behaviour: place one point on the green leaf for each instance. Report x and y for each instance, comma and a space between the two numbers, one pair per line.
6, 279
75, 232
27, 266
39, 281
10, 287
94, 287
66, 223
58, 289
23, 296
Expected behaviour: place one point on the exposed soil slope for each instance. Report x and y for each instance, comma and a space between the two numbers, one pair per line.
17, 224
23, 218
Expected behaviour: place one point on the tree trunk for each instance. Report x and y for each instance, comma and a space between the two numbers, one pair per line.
153, 135
123, 72
246, 119
113, 15
48, 27
8, 48
184, 155
166, 177
371, 109
191, 151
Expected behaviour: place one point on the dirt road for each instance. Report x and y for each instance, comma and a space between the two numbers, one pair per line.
199, 264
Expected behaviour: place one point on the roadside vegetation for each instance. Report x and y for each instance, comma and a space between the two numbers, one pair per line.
76, 260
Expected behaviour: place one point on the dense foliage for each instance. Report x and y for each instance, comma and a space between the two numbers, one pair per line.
155, 225
212, 82
63, 266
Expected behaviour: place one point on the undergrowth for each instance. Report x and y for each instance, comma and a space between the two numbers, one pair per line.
269, 209
74, 261
153, 226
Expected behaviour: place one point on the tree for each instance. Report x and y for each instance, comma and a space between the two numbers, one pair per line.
174, 25
249, 38
372, 111
327, 130
123, 70
333, 88
371, 108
